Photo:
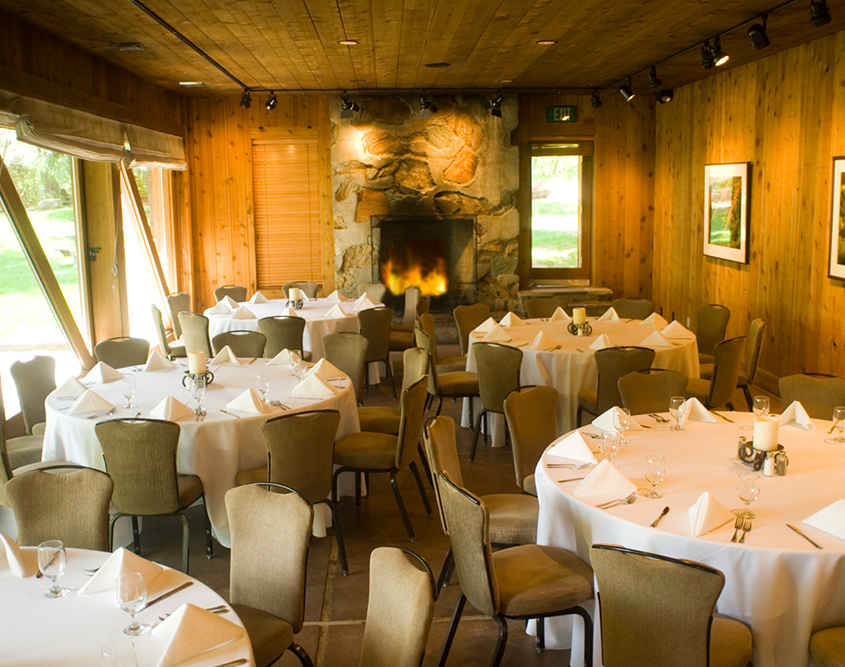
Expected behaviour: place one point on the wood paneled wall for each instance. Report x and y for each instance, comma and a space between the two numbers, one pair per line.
786, 116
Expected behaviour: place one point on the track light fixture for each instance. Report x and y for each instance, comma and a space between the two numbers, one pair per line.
707, 59
596, 99
718, 55
495, 105
271, 101
653, 81
758, 36
626, 92
664, 96
819, 13
245, 99
347, 106
427, 107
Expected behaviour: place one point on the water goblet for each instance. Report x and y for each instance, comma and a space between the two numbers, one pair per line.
127, 386
262, 384
839, 423
655, 468
120, 653
622, 422
747, 488
131, 595
52, 561
677, 407
760, 406
198, 389
609, 445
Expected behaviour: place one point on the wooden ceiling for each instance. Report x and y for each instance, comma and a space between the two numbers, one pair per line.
291, 45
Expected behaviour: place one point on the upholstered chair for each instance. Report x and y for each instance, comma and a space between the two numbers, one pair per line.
468, 318
711, 323
176, 303
498, 375
34, 379
720, 389
236, 292
170, 349
283, 333
649, 390
444, 364
195, 332
544, 307
531, 414
308, 287
458, 384
347, 351
612, 363
374, 325
635, 309
375, 291
247, 344
819, 395
20, 451
383, 418
748, 371
122, 351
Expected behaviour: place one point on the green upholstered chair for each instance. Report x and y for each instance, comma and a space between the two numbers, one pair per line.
544, 307
444, 365
310, 288
283, 332
348, 352
498, 375
402, 334
711, 323
176, 303
170, 349
195, 332
719, 390
383, 418
236, 292
612, 363
374, 325
458, 384
409, 315
649, 390
122, 351
35, 378
531, 414
636, 309
819, 394
246, 344
748, 371
468, 318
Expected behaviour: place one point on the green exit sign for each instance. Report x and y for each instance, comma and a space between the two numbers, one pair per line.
560, 114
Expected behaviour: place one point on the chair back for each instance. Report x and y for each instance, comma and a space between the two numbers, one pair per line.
441, 450
415, 366
236, 292
426, 323
412, 295
5, 465
300, 447
177, 303
242, 343
637, 309
423, 305
348, 351
818, 395
756, 332
614, 362
399, 610
374, 325
466, 319
425, 342
195, 332
69, 506
270, 534
656, 611
531, 413
711, 323
649, 390
544, 307
34, 379
282, 332
498, 373
411, 411
729, 355
158, 323
308, 287
122, 351
140, 456
375, 291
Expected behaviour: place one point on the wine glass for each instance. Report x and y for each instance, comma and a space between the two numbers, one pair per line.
760, 406
622, 422
609, 445
262, 384
677, 407
655, 468
52, 561
198, 390
131, 595
120, 653
839, 423
748, 488
127, 386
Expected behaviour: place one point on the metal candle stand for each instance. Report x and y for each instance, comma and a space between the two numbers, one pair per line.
579, 329
772, 462
188, 380
296, 305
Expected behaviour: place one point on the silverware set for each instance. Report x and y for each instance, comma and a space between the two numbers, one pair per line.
658, 418
278, 404
217, 609
618, 501
741, 524
102, 414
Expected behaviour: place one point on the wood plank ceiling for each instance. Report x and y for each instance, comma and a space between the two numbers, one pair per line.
292, 45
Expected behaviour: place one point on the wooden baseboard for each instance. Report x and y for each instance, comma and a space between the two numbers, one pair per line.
767, 381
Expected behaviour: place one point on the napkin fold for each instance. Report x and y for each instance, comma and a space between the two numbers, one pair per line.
242, 313
171, 409
22, 564
225, 356
158, 362
656, 339
326, 370
694, 411
221, 308
560, 316
796, 415
249, 402
336, 297
654, 320
542, 341
313, 386
601, 342
573, 447
229, 301
605, 421
497, 335
605, 480
830, 519
676, 329
89, 402
289, 312
102, 372
121, 562
258, 297
707, 514
335, 312
281, 359
71, 388
486, 326
193, 630
364, 302
610, 315
511, 320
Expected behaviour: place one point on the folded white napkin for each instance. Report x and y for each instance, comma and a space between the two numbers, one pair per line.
335, 311
676, 329
694, 411
258, 297
172, 410
158, 362
511, 320
336, 297
326, 370
601, 342
243, 313
22, 564
796, 415
225, 356
486, 326
654, 320
707, 514
249, 402
314, 386
102, 372
222, 308
573, 447
656, 339
193, 630
830, 519
542, 341
605, 480
364, 298
89, 402
121, 562
497, 335
289, 312
610, 315
281, 359
560, 316
71, 388
302, 295
366, 304
605, 421
229, 301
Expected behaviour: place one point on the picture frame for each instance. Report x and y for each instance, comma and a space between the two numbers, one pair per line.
726, 207
837, 221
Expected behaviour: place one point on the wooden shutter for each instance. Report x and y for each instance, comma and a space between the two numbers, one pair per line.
287, 211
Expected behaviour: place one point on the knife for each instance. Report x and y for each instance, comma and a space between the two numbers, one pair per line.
574, 479
815, 544
233, 663
168, 594
730, 421
662, 514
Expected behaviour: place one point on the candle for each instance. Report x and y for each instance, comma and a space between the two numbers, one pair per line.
766, 434
196, 363
293, 294
579, 315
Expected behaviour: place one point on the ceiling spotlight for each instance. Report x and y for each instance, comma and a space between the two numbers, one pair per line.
348, 42
596, 99
495, 105
653, 81
427, 107
271, 101
718, 55
626, 92
245, 99
819, 13
707, 59
757, 33
347, 106
664, 96
546, 42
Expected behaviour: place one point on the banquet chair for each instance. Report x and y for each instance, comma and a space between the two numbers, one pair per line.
818, 395
544, 307
636, 309
720, 389
371, 452
383, 418
523, 582
170, 349
711, 323
498, 375
270, 534
458, 384
34, 379
649, 390
62, 502
195, 332
827, 647
400, 609
657, 611
512, 516
374, 325
242, 343
122, 351
176, 303
308, 287
400, 338
444, 365
410, 314
376, 291
612, 363
748, 371
236, 292
531, 415
468, 318
283, 332
140, 457
347, 351
20, 451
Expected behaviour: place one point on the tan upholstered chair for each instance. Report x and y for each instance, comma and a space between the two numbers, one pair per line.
170, 349
195, 332
20, 451
347, 351
544, 307
612, 363
236, 292
819, 395
657, 611
711, 323
720, 389
458, 384
498, 375
468, 318
531, 414
374, 325
402, 335
243, 343
375, 291
369, 452
444, 364
122, 351
399, 610
270, 535
827, 647
34, 378
176, 303
308, 287
383, 418
71, 505
140, 456
752, 356
528, 581
636, 309
412, 296
283, 333
649, 390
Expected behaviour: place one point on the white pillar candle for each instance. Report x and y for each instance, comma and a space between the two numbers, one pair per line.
579, 315
196, 363
293, 294
766, 434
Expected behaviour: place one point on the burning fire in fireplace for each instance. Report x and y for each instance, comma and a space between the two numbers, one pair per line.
419, 264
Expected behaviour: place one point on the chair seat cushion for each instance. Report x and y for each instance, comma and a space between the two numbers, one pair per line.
451, 365
39, 428
513, 518
827, 647
706, 358
706, 373
588, 399
700, 389
367, 449
730, 644
401, 340
269, 635
24, 450
251, 476
190, 488
459, 383
529, 485
379, 418
535, 580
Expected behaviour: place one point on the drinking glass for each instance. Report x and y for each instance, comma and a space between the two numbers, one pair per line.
120, 653
127, 386
839, 422
677, 407
655, 468
622, 422
198, 392
609, 445
131, 595
760, 407
52, 561
262, 384
747, 488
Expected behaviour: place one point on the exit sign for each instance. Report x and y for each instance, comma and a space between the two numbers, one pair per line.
560, 114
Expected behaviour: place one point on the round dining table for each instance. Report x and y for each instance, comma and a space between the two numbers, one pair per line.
776, 582
215, 449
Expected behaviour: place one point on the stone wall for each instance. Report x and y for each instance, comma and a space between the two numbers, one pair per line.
460, 161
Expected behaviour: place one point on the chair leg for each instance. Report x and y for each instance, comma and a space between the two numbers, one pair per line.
209, 543
578, 417
335, 475
186, 542
300, 653
446, 570
748, 398
730, 406
439, 405
502, 641
357, 489
338, 533
450, 635
416, 471
428, 474
475, 434
390, 375
588, 634
136, 536
112, 519
541, 634
399, 502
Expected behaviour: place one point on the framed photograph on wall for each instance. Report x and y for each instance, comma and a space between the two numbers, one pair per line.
726, 211
837, 221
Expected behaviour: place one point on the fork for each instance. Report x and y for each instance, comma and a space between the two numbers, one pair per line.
568, 465
746, 528
279, 404
737, 528
618, 501
658, 418
219, 609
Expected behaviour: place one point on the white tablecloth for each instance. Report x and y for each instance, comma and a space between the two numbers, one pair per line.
71, 631
216, 449
777, 583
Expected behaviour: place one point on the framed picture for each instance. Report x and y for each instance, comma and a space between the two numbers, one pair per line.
726, 211
837, 221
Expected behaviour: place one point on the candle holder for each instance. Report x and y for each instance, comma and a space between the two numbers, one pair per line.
772, 462
189, 377
579, 329
296, 305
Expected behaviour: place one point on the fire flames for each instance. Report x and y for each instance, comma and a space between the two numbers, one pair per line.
407, 269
